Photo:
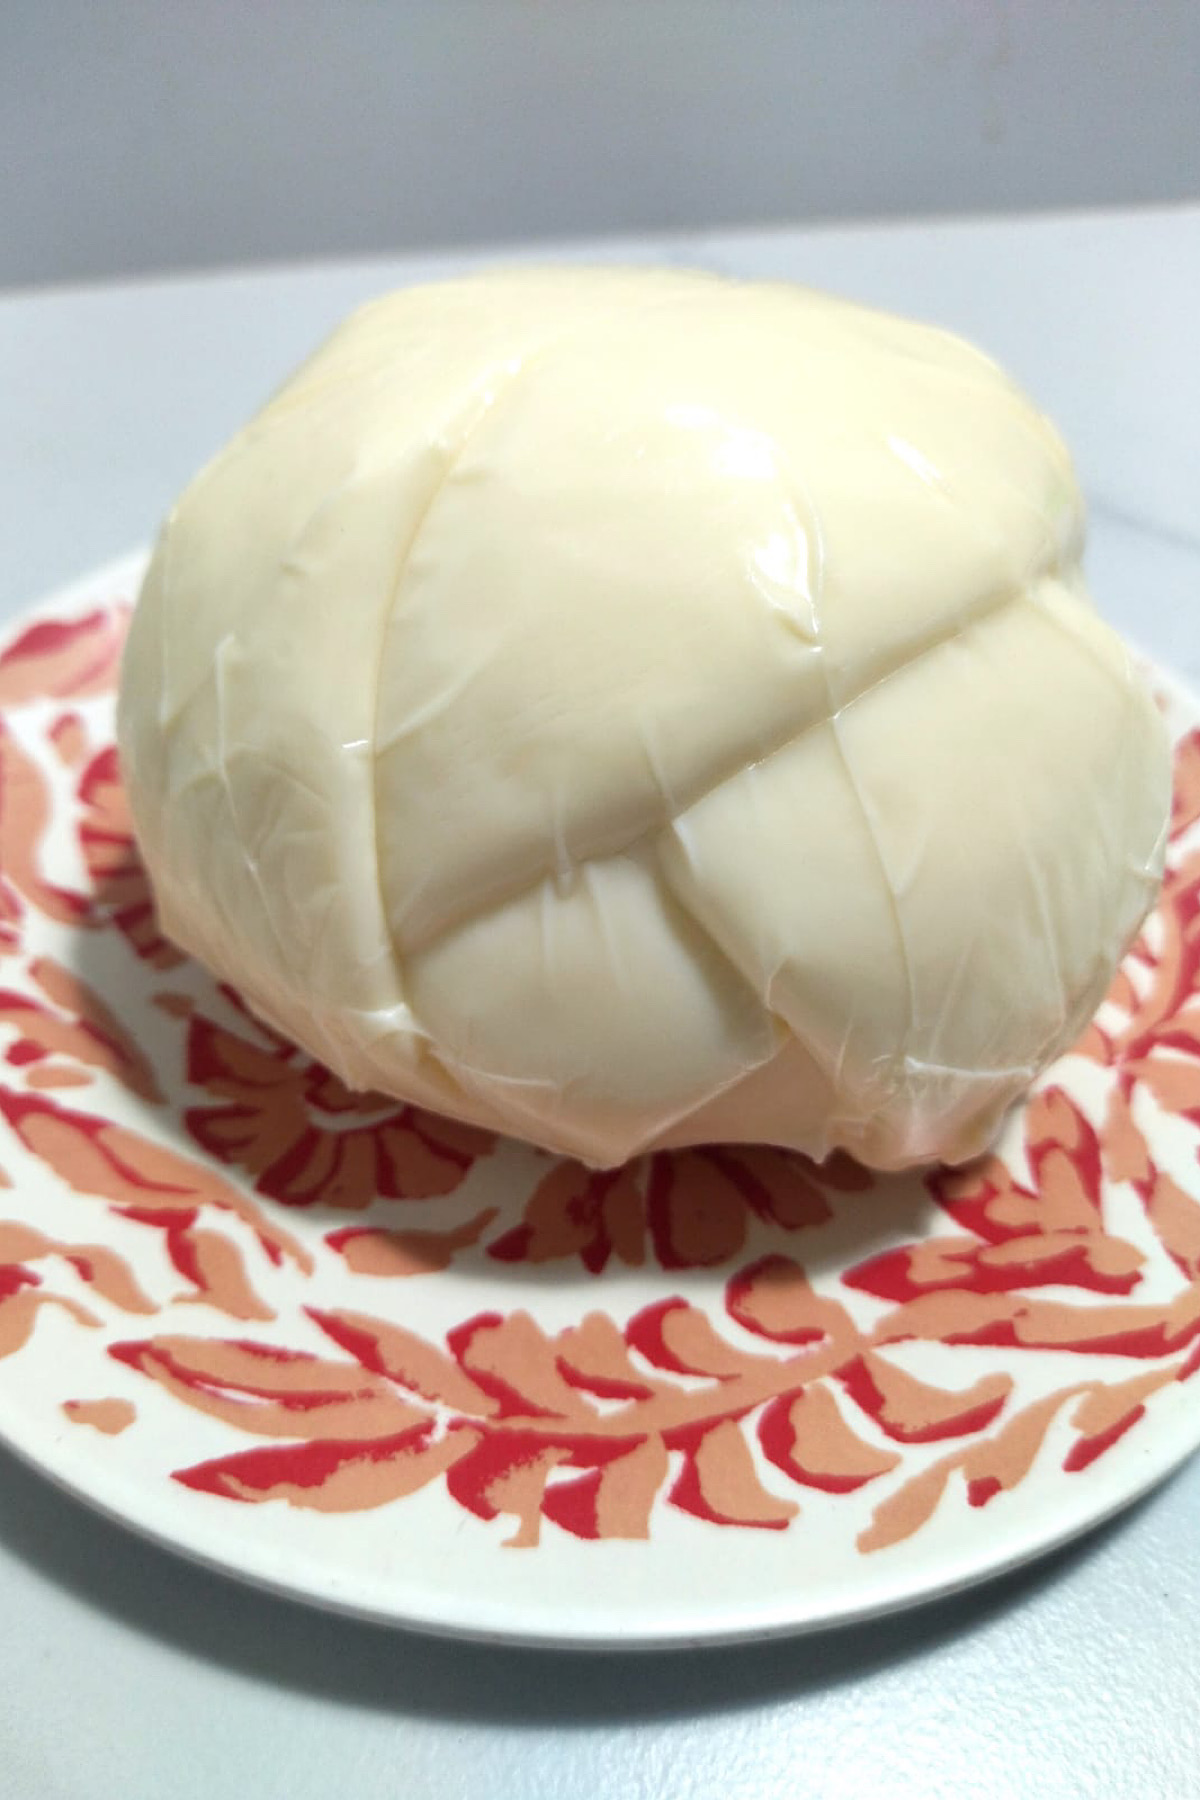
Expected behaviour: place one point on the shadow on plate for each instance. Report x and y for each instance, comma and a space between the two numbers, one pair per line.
341, 1660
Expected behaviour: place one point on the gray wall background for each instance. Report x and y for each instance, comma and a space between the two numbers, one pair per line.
140, 136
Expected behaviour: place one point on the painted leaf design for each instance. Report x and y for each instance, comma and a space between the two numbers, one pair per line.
1126, 1153
403, 1357
1059, 1259
699, 1202
53, 1076
109, 1417
24, 818
773, 1297
270, 1391
423, 1153
78, 1025
613, 1500
1114, 1330
120, 885
1014, 1322
393, 1254
697, 1217
1173, 1080
63, 659
1106, 1413
678, 1337
696, 1207
719, 1481
20, 1243
293, 1127
20, 1303
1064, 1154
18, 1309
216, 1267
1175, 1217
950, 1316
575, 1211
845, 1176
114, 1164
101, 1267
808, 1438
512, 1359
782, 1187
507, 1472
1181, 1031
69, 735
912, 1505
1157, 1017
330, 1476
593, 1356
12, 911
912, 1411
1002, 1462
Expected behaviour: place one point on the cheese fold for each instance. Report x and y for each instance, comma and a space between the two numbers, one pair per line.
634, 708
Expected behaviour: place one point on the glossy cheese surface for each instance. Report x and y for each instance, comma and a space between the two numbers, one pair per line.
631, 708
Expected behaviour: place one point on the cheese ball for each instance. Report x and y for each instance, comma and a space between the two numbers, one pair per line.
631, 708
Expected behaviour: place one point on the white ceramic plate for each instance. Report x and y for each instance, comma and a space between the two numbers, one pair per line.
377, 1361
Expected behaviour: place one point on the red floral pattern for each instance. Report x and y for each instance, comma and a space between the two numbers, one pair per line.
303, 1138
120, 889
194, 1129
694, 1205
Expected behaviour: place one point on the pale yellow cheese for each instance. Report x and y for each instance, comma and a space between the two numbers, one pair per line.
630, 708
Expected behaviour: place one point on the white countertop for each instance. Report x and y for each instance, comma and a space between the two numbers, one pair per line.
124, 1672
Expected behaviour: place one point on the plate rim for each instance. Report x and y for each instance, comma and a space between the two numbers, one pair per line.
965, 1571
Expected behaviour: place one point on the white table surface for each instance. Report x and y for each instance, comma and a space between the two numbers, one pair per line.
125, 1673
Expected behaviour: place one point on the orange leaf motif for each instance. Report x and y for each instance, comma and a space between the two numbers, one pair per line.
913, 1412
120, 885
593, 1356
109, 1417
63, 659
680, 1338
404, 1253
293, 1128
69, 736
773, 1297
332, 1477
719, 1481
808, 1438
1175, 1216
574, 1211
1123, 1145
217, 1268
409, 1360
149, 1183
1174, 1082
699, 1201
272, 1392
101, 1267
614, 1500
697, 1215
20, 1303
507, 1472
82, 1028
512, 1359
24, 817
